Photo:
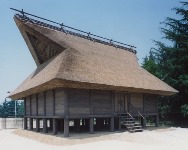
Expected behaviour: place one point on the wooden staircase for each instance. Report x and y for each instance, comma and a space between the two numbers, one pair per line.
130, 122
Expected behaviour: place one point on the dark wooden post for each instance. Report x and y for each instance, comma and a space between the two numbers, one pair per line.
37, 125
112, 124
66, 127
30, 101
87, 124
24, 106
30, 123
45, 130
119, 123
36, 104
144, 122
77, 125
91, 125
25, 123
66, 112
157, 121
51, 124
44, 94
54, 126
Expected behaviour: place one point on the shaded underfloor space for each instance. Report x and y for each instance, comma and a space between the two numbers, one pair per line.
71, 126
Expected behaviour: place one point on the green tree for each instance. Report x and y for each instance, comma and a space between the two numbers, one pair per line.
7, 109
172, 61
150, 64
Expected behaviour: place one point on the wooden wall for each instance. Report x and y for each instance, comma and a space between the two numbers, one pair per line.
27, 106
78, 101
136, 100
86, 102
101, 102
59, 101
49, 102
150, 103
121, 103
33, 104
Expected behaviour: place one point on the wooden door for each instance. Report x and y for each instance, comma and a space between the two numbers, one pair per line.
120, 102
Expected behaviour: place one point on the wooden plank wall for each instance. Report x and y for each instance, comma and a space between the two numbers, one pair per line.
28, 106
49, 103
78, 101
59, 101
120, 99
150, 103
33, 102
137, 101
101, 102
85, 102
41, 104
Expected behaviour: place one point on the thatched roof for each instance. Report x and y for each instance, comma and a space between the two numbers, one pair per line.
66, 60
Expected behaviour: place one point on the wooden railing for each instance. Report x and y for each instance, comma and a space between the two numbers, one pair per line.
137, 112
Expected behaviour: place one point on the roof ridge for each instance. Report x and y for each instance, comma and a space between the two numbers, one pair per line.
88, 37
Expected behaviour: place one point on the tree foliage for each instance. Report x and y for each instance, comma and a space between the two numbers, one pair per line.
7, 109
170, 63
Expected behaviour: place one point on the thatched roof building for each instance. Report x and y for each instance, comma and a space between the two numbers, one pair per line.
81, 78
67, 60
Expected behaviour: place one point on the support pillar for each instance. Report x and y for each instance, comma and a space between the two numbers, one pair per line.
157, 121
54, 126
77, 125
66, 127
51, 124
119, 123
144, 122
25, 123
30, 123
91, 125
87, 124
112, 124
45, 125
37, 125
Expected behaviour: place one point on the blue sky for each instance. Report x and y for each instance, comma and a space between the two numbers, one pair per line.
135, 22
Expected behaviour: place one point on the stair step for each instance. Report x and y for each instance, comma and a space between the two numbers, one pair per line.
130, 121
138, 126
137, 130
137, 123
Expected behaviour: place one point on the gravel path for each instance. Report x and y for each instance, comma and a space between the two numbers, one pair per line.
163, 139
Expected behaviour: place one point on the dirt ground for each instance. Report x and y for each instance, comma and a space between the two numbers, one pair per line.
152, 138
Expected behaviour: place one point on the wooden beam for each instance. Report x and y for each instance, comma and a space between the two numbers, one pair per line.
24, 106
30, 105
112, 124
54, 126
44, 94
25, 123
37, 125
144, 122
143, 103
76, 125
91, 125
66, 104
30, 123
45, 130
119, 123
112, 102
66, 127
53, 102
90, 102
157, 121
36, 104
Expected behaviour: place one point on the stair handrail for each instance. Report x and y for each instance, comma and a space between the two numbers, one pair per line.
136, 110
121, 106
139, 114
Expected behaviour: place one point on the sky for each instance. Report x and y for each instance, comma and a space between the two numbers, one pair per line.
135, 22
